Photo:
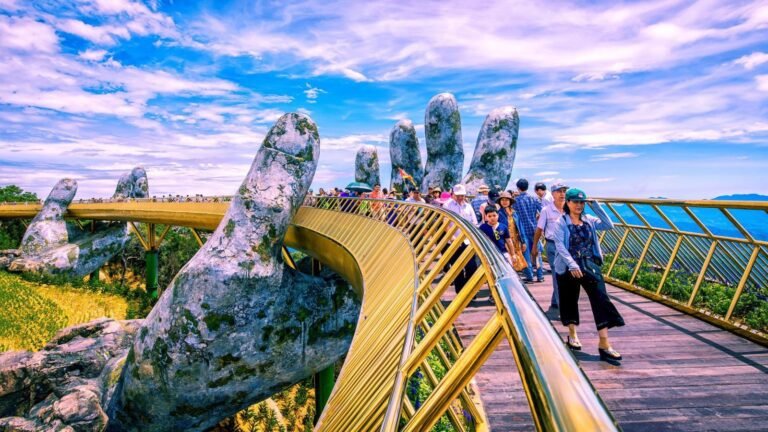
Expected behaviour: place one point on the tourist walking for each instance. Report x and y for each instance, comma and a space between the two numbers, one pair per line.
498, 233
577, 265
542, 195
549, 217
478, 201
528, 208
459, 205
508, 217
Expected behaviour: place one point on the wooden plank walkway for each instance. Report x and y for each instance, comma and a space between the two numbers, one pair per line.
678, 373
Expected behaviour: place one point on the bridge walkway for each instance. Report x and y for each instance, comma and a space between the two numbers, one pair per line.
679, 373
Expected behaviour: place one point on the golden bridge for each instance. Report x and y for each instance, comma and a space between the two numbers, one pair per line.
694, 299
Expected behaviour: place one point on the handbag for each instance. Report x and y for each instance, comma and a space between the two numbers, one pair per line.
519, 264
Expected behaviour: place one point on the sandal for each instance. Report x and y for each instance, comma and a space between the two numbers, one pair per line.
574, 344
609, 354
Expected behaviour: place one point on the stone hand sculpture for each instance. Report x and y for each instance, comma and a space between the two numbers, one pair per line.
51, 245
445, 154
492, 160
367, 165
234, 327
405, 156
495, 150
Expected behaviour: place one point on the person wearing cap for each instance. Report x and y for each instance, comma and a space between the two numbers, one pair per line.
548, 219
542, 195
415, 196
458, 204
493, 197
478, 201
577, 265
528, 208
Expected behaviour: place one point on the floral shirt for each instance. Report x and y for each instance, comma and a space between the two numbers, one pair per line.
581, 241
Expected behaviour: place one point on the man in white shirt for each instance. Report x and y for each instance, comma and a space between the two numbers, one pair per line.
549, 217
459, 205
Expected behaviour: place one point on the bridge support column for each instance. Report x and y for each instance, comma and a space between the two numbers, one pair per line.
151, 269
94, 277
324, 381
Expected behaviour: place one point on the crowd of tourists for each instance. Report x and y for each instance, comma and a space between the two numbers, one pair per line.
523, 226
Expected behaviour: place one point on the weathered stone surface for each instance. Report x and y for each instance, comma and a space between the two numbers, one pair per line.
236, 325
50, 245
445, 154
48, 229
62, 387
404, 154
132, 185
367, 165
495, 151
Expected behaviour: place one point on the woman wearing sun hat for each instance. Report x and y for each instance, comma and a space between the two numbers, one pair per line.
577, 265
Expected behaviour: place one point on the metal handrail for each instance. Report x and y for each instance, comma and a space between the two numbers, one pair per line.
560, 395
735, 264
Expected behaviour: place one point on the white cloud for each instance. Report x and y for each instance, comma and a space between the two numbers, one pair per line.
364, 42
762, 82
753, 60
613, 156
353, 142
104, 34
27, 35
593, 180
93, 54
589, 76
546, 173
312, 93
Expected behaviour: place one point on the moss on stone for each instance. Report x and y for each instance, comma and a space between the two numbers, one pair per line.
229, 228
304, 126
215, 320
266, 332
221, 381
501, 124
227, 360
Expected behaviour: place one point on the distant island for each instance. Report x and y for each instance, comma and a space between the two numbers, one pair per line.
742, 197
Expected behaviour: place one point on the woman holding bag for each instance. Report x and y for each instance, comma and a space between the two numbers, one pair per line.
508, 217
577, 265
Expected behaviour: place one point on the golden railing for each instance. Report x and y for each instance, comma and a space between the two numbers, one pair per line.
560, 396
706, 258
410, 245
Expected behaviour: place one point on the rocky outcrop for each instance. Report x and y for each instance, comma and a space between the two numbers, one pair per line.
236, 325
495, 150
48, 228
367, 166
64, 386
405, 155
51, 245
445, 154
132, 185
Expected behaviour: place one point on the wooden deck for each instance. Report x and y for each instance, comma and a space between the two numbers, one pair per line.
678, 373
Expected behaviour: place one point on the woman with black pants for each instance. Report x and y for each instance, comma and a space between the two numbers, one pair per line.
577, 265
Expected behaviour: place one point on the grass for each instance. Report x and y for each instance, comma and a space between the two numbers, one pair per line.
715, 297
33, 312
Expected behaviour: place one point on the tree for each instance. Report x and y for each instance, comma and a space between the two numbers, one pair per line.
11, 231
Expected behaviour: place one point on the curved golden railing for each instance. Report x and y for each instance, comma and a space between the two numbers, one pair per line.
399, 252
706, 258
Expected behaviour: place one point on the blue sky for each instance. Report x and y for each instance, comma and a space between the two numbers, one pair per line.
633, 99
